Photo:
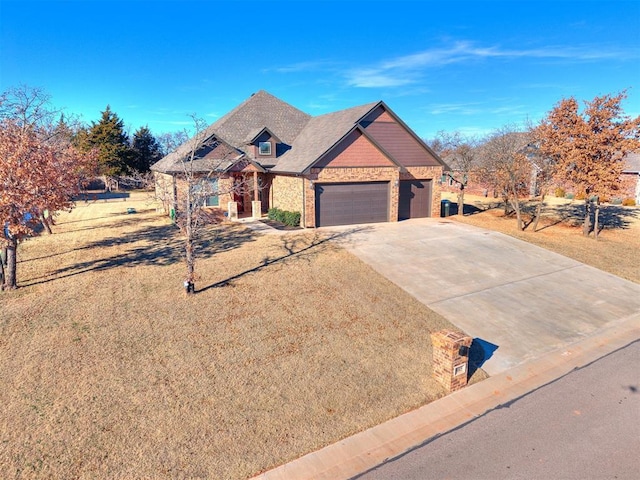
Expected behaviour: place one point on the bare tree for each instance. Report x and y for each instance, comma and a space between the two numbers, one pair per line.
205, 174
459, 152
504, 165
170, 141
28, 107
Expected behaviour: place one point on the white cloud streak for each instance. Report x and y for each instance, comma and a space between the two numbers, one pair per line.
408, 69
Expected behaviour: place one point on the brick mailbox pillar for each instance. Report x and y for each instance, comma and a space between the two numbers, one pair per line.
451, 358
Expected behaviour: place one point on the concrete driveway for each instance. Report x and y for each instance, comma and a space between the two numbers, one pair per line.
517, 299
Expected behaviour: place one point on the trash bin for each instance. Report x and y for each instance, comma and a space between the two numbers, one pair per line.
445, 205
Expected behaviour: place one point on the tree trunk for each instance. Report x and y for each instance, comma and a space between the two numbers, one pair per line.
189, 282
515, 203
10, 281
1, 273
461, 201
586, 225
538, 213
516, 208
45, 224
596, 218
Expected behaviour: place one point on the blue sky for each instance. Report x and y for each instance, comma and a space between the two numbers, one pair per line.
467, 66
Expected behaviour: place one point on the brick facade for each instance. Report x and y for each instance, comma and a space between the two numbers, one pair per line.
451, 358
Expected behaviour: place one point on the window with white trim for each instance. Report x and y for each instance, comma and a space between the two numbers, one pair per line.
264, 148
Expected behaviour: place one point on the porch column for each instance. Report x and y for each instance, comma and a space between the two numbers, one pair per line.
256, 205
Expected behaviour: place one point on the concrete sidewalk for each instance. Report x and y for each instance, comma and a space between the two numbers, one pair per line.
364, 451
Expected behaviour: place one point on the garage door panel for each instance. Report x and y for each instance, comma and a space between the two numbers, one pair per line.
351, 203
415, 199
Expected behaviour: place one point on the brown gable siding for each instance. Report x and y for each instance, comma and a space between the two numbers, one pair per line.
265, 137
400, 144
244, 166
377, 115
219, 152
355, 150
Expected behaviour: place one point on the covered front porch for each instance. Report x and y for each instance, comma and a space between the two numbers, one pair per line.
250, 191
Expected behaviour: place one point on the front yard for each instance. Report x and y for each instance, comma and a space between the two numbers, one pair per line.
109, 371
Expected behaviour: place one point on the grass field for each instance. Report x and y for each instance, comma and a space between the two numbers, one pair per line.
108, 370
615, 251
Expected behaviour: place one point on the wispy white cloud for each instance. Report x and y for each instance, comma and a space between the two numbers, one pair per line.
498, 108
308, 66
408, 69
457, 108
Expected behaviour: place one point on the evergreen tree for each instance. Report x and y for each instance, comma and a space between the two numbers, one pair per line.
110, 140
146, 150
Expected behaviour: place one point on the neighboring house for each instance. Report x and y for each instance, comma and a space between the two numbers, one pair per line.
632, 173
358, 165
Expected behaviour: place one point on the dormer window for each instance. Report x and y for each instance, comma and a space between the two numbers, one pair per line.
264, 148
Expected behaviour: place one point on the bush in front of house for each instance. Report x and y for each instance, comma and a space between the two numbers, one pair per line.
629, 202
283, 216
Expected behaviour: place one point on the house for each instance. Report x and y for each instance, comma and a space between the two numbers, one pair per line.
359, 165
632, 175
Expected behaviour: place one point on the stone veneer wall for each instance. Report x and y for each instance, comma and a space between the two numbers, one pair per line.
287, 193
164, 190
426, 173
339, 175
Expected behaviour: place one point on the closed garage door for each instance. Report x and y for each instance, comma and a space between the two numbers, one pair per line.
349, 203
415, 199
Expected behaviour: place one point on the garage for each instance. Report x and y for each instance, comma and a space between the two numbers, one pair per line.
415, 199
351, 203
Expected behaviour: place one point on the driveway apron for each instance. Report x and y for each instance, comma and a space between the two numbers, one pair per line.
517, 300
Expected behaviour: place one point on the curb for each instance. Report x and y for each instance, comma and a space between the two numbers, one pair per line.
366, 450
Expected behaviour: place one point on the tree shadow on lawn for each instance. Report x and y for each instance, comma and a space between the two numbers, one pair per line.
110, 215
158, 245
611, 216
105, 196
297, 247
471, 209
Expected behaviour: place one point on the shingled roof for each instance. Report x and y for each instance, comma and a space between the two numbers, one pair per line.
309, 137
241, 124
632, 160
318, 136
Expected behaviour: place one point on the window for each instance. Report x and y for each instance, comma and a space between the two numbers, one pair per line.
264, 148
206, 192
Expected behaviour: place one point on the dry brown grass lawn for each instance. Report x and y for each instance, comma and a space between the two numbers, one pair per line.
109, 371
615, 251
